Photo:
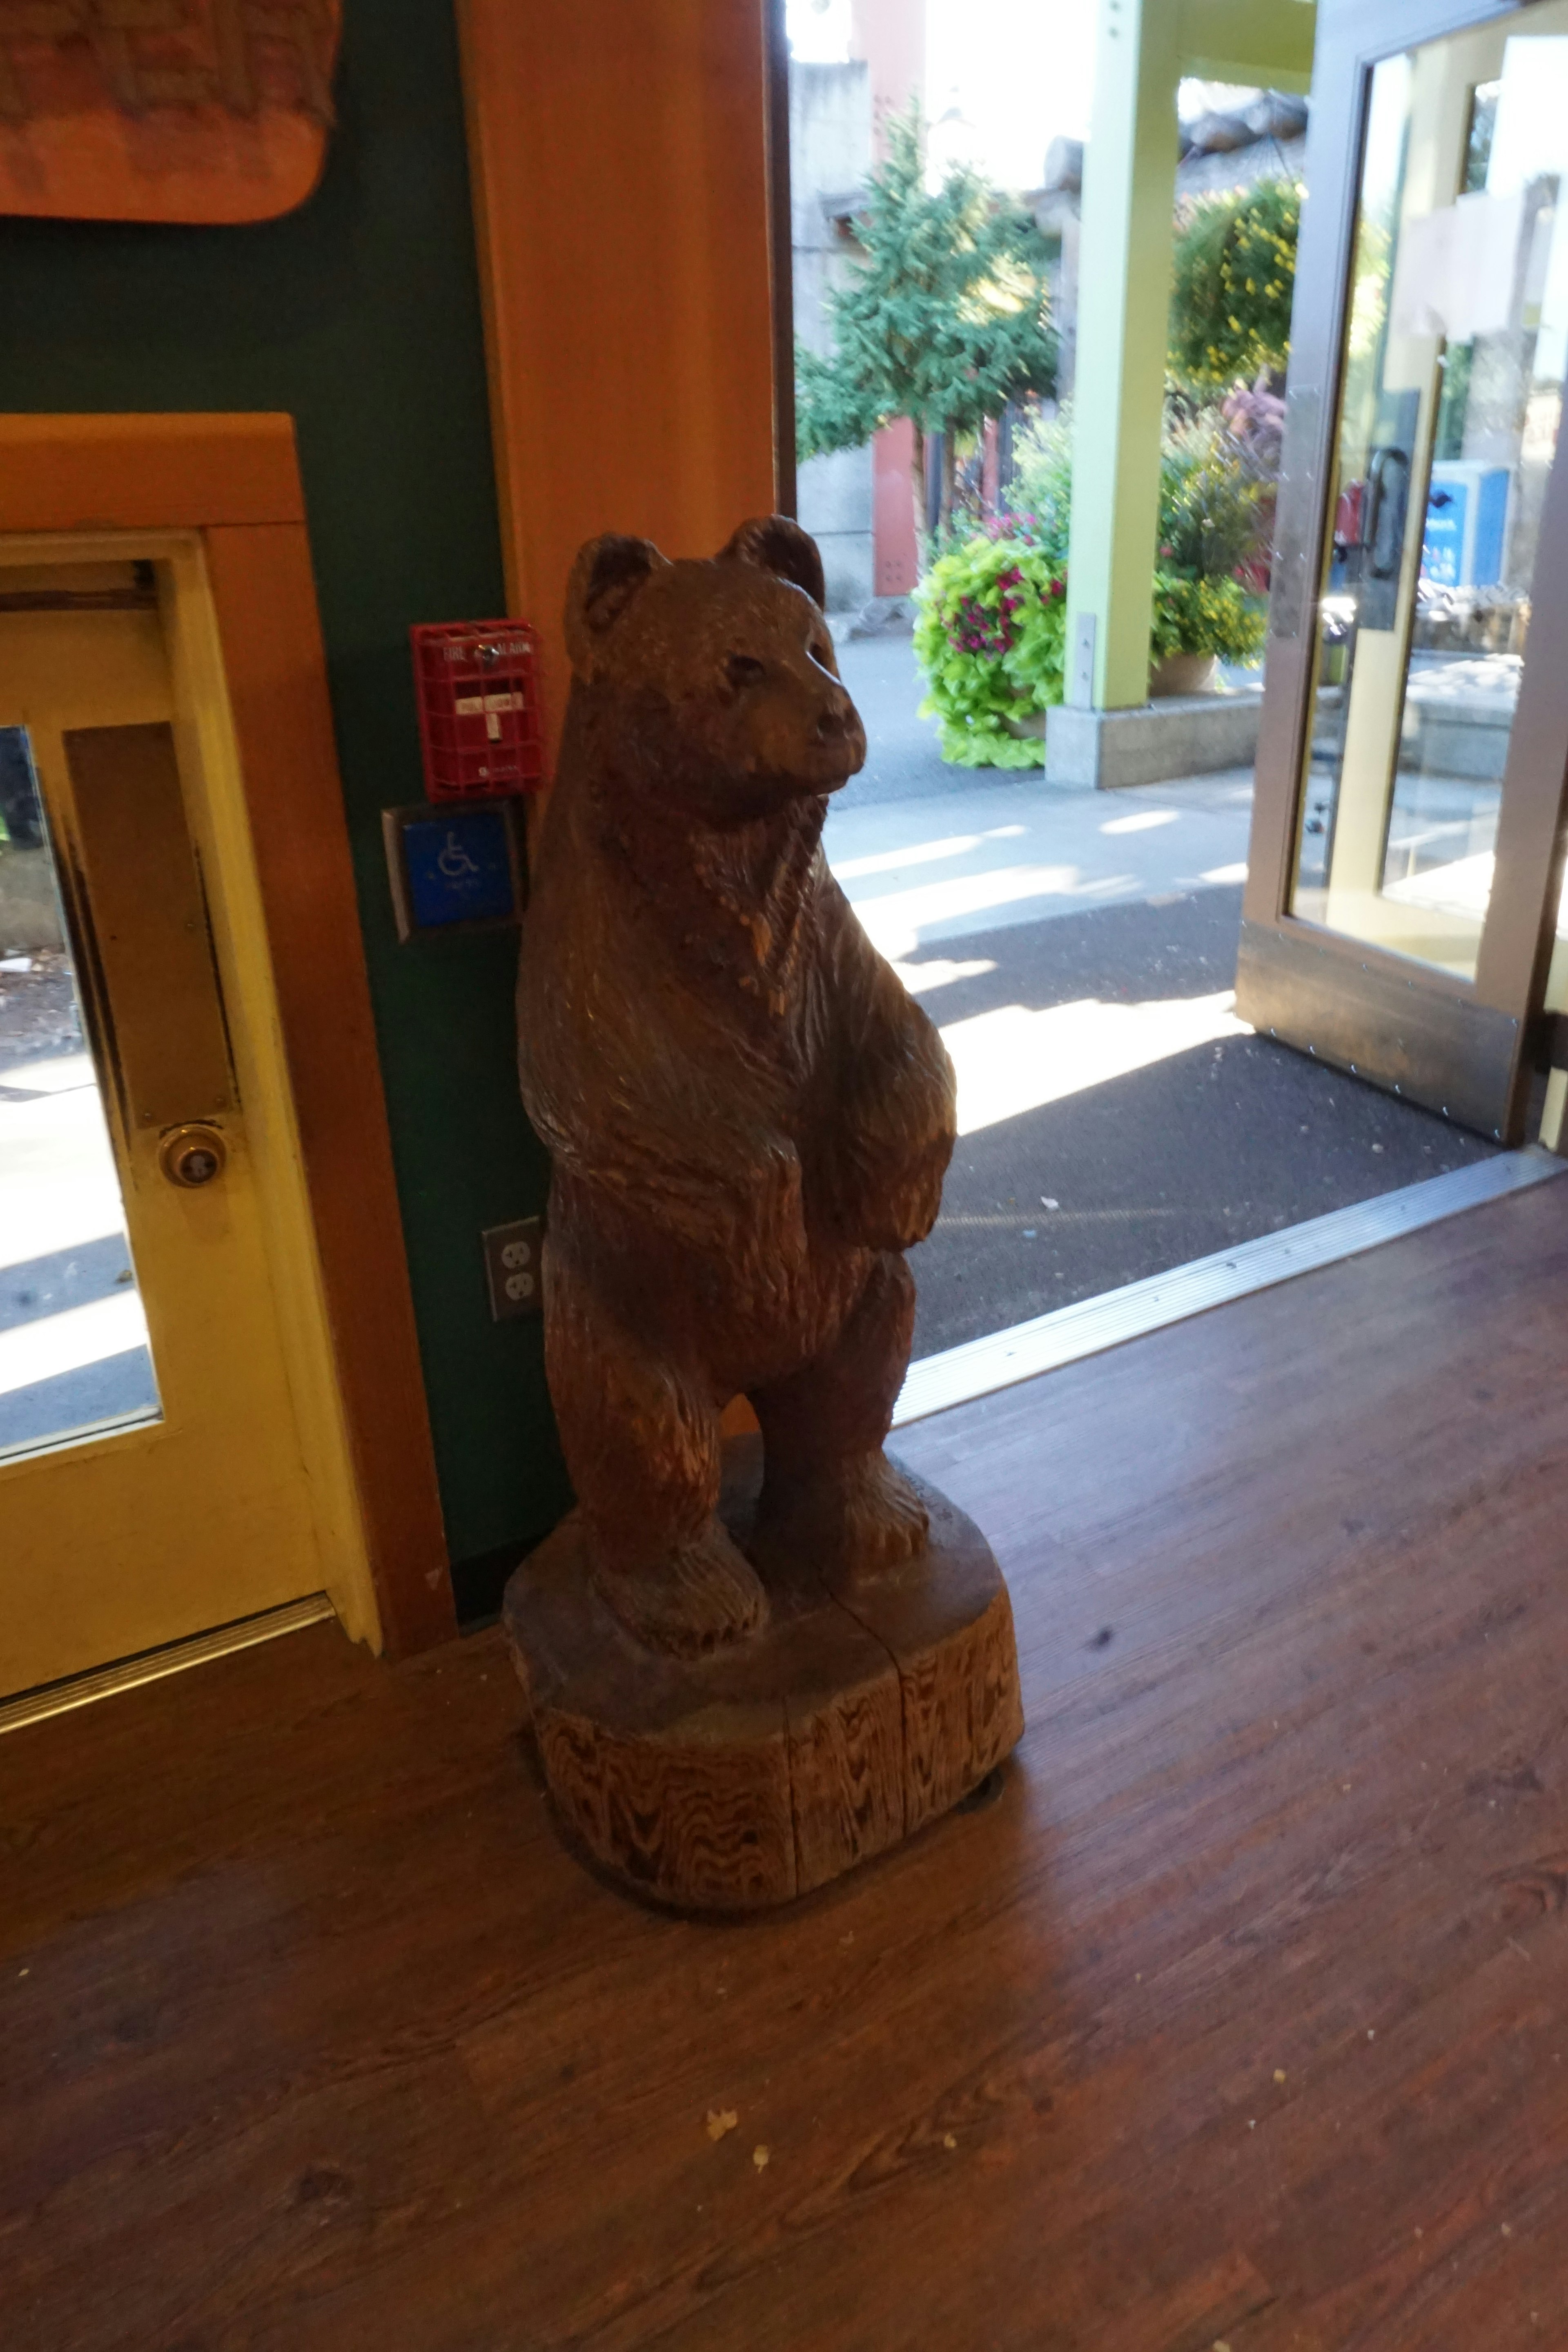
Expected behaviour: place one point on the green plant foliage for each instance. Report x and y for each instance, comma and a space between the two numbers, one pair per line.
991, 637
1206, 616
942, 318
992, 632
1211, 500
1216, 504
1213, 520
1234, 269
1040, 496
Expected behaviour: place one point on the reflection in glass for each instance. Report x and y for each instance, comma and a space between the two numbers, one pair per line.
1451, 396
73, 1338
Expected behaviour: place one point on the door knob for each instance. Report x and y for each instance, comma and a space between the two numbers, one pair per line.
193, 1155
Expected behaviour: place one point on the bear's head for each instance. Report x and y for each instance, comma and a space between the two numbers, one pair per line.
716, 679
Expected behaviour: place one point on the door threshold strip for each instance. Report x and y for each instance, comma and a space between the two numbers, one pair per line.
980, 1367
151, 1665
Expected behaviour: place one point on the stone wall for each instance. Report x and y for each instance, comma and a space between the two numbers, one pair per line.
830, 156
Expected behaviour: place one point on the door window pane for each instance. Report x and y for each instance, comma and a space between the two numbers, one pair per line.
1451, 398
74, 1356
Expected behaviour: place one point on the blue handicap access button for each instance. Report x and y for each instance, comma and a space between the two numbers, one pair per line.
459, 868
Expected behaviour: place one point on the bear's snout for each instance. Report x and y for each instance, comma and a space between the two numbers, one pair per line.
838, 738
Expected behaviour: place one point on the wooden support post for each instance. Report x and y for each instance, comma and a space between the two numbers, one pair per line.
619, 158
1124, 287
1145, 46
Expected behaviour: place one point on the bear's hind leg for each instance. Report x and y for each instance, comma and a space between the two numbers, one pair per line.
831, 1499
642, 1445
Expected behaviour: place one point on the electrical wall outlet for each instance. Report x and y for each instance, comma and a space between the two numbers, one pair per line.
512, 1267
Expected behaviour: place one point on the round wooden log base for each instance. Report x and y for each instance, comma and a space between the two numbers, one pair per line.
735, 1782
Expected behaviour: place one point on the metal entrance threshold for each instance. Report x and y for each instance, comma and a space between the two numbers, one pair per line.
151, 1665
980, 1367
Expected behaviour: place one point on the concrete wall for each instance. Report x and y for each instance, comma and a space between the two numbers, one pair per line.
830, 156
890, 35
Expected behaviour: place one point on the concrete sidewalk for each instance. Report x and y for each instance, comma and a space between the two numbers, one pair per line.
995, 854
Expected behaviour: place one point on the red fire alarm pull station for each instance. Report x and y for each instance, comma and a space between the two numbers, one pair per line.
478, 683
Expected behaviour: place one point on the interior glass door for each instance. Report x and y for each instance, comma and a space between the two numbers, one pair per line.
153, 1477
1429, 531
75, 1357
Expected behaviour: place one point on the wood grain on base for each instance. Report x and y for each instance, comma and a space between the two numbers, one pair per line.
952, 1645
740, 1781
707, 1821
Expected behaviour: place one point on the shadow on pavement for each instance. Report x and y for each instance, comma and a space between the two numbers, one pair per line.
1197, 1151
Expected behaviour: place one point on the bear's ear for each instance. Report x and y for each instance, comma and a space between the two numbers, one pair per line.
606, 577
774, 543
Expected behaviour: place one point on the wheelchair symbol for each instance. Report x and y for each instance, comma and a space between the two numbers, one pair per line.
454, 861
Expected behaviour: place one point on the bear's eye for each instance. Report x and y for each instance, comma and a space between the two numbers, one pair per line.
745, 669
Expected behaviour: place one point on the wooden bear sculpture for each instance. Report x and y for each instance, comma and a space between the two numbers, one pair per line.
743, 1675
750, 1117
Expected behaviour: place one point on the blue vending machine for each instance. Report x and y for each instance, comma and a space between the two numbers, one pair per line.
1466, 524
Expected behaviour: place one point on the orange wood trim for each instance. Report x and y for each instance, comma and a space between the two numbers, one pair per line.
619, 161
266, 602
147, 473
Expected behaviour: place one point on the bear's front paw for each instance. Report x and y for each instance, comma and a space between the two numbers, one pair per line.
892, 1207
851, 1520
703, 1595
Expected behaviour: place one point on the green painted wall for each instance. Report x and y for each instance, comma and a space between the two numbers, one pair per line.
360, 316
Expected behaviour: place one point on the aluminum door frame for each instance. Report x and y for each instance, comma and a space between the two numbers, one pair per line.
1460, 1047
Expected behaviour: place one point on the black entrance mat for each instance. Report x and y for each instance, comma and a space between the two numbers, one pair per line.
1215, 1145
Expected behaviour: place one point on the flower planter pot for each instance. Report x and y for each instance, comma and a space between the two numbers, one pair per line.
1184, 673
1030, 728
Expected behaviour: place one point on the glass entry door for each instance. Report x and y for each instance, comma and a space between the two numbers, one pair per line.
1406, 865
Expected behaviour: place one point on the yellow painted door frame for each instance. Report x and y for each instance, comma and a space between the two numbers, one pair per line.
216, 502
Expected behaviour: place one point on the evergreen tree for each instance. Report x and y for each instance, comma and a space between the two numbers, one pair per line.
942, 319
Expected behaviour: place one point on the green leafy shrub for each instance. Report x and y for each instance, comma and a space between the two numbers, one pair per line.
1234, 269
1215, 508
991, 637
1206, 616
1040, 498
1211, 500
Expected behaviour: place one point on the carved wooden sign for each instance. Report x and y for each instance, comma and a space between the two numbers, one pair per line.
747, 1669
192, 110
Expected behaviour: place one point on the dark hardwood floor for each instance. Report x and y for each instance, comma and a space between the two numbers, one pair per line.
1239, 2019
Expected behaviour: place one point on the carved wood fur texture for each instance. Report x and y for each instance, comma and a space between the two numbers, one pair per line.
750, 1117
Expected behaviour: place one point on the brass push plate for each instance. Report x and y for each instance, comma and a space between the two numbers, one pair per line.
148, 915
511, 1267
